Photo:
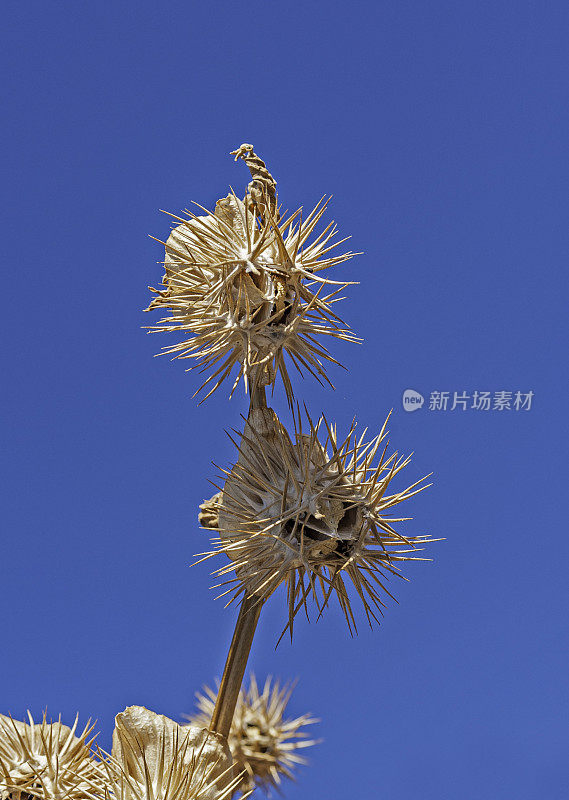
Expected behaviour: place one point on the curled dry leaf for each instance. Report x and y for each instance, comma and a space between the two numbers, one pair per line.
208, 516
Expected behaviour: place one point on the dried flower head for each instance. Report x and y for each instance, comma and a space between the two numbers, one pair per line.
47, 760
249, 290
310, 514
264, 744
153, 758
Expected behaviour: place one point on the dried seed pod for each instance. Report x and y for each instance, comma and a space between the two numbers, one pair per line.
310, 514
249, 295
263, 742
154, 757
46, 760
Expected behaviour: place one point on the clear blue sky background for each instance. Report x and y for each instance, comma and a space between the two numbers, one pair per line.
441, 129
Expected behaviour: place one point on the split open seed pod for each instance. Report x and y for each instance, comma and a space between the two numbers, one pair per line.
312, 511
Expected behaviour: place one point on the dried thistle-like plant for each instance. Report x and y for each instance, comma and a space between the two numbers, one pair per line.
311, 513
264, 743
247, 286
249, 292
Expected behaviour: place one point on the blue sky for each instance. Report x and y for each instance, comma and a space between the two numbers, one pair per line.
441, 129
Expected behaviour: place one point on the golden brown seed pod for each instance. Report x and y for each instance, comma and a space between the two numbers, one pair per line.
154, 757
311, 511
46, 760
250, 294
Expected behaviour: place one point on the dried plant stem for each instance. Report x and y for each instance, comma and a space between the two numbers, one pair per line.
234, 670
258, 397
245, 627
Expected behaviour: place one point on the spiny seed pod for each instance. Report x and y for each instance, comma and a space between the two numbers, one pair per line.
310, 514
154, 758
249, 293
263, 742
46, 760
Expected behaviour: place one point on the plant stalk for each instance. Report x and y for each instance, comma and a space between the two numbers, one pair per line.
247, 620
258, 398
234, 670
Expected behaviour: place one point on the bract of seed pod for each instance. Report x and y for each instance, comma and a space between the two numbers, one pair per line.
154, 757
46, 760
208, 516
249, 293
312, 513
265, 744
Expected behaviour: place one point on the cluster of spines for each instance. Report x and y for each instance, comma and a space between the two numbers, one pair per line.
46, 760
264, 742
